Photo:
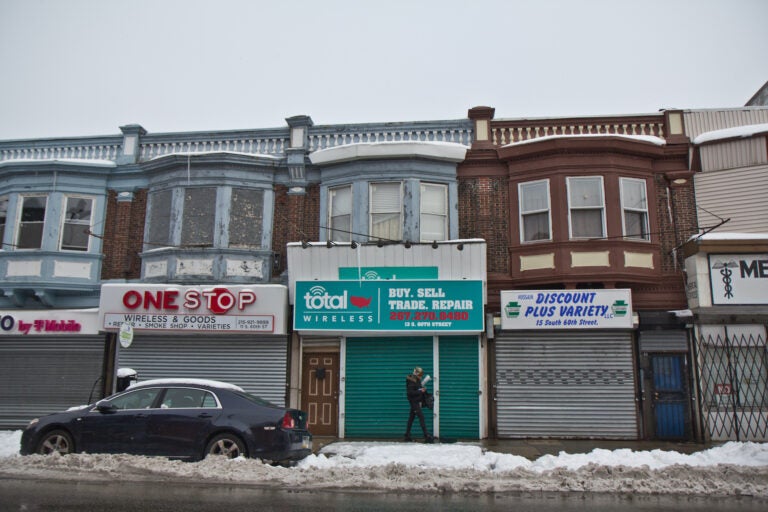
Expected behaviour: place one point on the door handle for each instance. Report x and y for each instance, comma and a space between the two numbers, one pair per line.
205, 415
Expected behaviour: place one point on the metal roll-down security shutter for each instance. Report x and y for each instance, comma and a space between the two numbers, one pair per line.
459, 387
40, 375
375, 399
566, 384
256, 364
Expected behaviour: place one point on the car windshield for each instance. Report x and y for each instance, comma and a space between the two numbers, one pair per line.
255, 399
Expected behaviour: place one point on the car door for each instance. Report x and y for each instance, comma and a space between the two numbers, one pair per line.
180, 426
119, 424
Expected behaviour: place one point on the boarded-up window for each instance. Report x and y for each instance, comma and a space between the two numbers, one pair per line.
158, 234
246, 218
199, 217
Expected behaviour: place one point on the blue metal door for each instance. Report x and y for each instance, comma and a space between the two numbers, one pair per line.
670, 397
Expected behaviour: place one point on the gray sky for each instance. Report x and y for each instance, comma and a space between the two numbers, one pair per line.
86, 67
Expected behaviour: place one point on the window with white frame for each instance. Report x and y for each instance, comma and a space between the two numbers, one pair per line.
434, 212
386, 206
534, 211
340, 214
3, 219
75, 233
246, 218
159, 231
31, 222
634, 205
199, 217
586, 206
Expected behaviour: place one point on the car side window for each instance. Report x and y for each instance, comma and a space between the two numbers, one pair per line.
186, 398
139, 399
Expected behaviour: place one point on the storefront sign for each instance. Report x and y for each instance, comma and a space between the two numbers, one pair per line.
194, 308
374, 273
739, 279
410, 306
49, 322
566, 309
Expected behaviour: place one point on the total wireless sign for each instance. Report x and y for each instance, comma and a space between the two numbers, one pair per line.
411, 306
192, 308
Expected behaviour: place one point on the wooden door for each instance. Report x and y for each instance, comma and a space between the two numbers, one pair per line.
320, 392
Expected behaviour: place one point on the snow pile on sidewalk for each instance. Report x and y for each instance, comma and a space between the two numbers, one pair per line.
734, 469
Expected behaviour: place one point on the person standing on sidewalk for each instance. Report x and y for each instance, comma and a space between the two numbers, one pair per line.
415, 391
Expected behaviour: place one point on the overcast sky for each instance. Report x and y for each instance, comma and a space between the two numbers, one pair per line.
87, 67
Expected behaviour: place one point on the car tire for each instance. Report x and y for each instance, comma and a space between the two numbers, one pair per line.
228, 445
55, 441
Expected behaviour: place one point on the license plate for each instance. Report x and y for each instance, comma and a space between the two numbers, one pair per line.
306, 442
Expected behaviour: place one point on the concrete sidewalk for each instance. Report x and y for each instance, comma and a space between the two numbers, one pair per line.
532, 449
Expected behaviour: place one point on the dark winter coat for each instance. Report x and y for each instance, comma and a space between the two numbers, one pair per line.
413, 388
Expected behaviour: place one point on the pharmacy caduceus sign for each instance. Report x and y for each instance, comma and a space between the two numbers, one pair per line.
738, 279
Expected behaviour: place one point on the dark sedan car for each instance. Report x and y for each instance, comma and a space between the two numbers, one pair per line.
178, 418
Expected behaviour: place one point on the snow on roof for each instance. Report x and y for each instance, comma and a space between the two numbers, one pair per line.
189, 382
203, 153
449, 151
731, 236
642, 138
731, 133
66, 161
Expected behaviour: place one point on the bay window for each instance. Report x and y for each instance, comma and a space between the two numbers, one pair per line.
434, 212
246, 218
386, 207
199, 217
634, 207
30, 235
586, 207
3, 219
77, 224
534, 211
340, 214
159, 231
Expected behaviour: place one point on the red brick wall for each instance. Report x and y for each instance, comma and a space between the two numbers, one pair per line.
297, 218
123, 236
484, 213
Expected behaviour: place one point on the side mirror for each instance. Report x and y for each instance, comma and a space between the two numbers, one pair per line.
105, 406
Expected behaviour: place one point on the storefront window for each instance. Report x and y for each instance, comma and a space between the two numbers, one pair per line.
434, 212
340, 214
31, 224
534, 211
386, 211
586, 205
246, 218
734, 369
77, 223
634, 205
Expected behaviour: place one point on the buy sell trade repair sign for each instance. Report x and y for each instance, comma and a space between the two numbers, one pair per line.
453, 306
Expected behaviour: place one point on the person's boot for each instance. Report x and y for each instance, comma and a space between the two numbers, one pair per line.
429, 439
407, 438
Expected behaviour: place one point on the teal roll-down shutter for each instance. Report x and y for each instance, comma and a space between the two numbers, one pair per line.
459, 387
375, 401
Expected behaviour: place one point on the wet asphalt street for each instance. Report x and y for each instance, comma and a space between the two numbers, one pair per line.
17, 495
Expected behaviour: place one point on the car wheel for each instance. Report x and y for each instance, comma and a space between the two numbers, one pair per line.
56, 441
228, 445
